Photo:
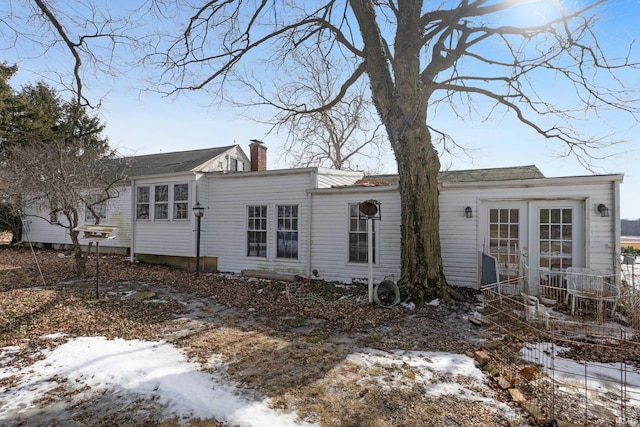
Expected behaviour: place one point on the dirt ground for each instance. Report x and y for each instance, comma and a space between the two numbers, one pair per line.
289, 342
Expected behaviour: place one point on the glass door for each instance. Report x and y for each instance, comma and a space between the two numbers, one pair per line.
555, 238
505, 239
560, 239
558, 243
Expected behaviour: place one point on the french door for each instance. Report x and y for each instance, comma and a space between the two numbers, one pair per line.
559, 235
547, 235
507, 225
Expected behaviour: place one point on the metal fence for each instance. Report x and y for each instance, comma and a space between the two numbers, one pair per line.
582, 368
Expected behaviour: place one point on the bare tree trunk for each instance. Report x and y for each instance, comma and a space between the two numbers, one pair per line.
79, 255
418, 166
403, 109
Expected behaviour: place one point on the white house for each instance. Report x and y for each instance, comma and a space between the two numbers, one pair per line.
306, 221
47, 229
508, 212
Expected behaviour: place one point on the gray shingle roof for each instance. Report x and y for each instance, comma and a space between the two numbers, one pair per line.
165, 163
478, 175
492, 174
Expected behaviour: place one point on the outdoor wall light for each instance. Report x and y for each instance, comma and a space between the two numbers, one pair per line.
603, 209
468, 212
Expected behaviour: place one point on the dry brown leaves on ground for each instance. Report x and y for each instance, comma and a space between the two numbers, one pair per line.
295, 353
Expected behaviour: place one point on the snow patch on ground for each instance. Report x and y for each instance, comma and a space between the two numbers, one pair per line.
439, 373
156, 370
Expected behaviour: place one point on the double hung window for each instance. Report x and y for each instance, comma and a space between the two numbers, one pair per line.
358, 245
287, 231
142, 202
180, 201
257, 231
161, 202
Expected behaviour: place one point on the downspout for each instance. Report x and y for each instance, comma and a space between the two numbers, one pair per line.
616, 228
133, 221
314, 183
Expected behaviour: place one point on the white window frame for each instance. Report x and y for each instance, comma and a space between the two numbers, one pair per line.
361, 231
180, 205
287, 224
251, 230
143, 203
159, 214
171, 205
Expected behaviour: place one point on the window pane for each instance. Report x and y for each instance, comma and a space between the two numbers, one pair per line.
142, 211
162, 193
544, 215
180, 211
544, 232
142, 195
161, 211
180, 201
288, 245
513, 231
181, 192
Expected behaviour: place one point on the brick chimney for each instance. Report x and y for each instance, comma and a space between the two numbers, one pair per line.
258, 153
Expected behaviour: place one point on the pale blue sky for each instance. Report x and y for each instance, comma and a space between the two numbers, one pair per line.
144, 123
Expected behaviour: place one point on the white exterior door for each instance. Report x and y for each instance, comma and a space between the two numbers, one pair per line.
505, 235
558, 238
546, 235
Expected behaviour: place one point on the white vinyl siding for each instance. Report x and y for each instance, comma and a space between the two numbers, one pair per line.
171, 236
330, 234
119, 209
230, 196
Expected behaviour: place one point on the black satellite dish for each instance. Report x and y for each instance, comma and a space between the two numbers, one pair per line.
369, 207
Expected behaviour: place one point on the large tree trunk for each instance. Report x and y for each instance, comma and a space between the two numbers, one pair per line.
401, 98
421, 261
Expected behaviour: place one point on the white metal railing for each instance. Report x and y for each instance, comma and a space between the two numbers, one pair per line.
577, 290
